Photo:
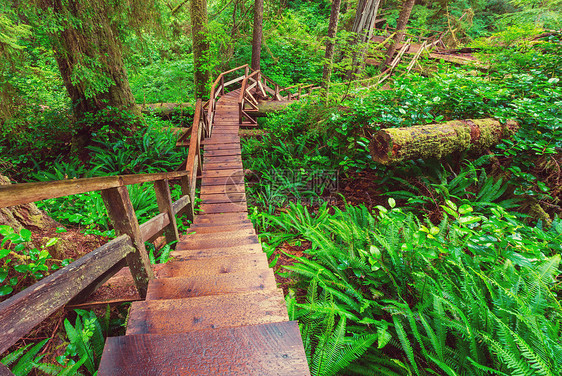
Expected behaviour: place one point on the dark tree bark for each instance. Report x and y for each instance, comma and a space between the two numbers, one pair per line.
88, 53
403, 18
200, 46
258, 34
363, 26
330, 43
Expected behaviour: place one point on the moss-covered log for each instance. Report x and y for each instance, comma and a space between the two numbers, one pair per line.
267, 107
438, 140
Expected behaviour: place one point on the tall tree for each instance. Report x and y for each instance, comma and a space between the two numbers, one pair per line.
363, 26
88, 50
330, 43
403, 18
199, 27
258, 34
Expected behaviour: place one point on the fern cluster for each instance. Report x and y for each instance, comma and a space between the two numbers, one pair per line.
476, 294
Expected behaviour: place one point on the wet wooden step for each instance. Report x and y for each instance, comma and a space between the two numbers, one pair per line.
206, 284
203, 253
211, 266
261, 350
206, 312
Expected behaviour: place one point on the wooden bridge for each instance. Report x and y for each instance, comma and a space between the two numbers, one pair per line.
215, 309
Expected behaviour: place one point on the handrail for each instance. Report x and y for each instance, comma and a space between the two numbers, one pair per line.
76, 281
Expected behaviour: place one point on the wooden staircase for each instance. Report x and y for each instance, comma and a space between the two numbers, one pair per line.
215, 309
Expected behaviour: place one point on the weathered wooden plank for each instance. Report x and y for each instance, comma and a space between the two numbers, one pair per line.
154, 227
212, 252
202, 243
124, 220
165, 205
18, 194
221, 218
222, 180
225, 152
208, 312
238, 171
265, 350
21, 312
229, 207
206, 285
212, 266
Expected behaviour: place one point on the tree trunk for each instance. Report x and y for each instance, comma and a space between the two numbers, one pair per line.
330, 43
200, 46
363, 26
258, 34
394, 145
91, 64
403, 18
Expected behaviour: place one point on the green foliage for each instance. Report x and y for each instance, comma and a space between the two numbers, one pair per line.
20, 261
475, 294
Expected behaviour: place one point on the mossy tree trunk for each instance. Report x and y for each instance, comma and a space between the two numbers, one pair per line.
89, 56
403, 18
258, 34
199, 28
394, 145
330, 43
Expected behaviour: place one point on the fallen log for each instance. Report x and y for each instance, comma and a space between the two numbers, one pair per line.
268, 107
438, 140
167, 110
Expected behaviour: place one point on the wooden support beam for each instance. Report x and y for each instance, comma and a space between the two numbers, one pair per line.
122, 214
165, 205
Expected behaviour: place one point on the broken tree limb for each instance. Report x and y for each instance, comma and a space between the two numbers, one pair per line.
438, 140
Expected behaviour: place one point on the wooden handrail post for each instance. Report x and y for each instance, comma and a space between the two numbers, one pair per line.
222, 85
186, 191
246, 71
122, 214
165, 205
299, 92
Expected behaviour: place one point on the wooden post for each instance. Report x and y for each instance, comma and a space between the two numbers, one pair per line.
122, 214
164, 199
222, 85
185, 190
246, 71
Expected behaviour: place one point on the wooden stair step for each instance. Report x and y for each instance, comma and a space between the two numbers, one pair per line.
206, 285
260, 350
229, 218
203, 253
221, 228
200, 242
210, 266
212, 189
221, 166
233, 145
236, 171
216, 153
206, 312
242, 224
222, 159
217, 198
229, 207
194, 235
222, 180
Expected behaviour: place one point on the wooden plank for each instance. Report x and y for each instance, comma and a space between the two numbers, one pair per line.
221, 218
238, 233
213, 266
223, 180
224, 172
122, 214
217, 153
265, 350
181, 203
223, 159
201, 243
224, 198
207, 312
234, 145
18, 194
21, 312
194, 254
207, 285
165, 205
220, 228
210, 189
153, 228
229, 207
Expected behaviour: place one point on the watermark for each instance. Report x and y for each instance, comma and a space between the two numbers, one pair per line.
282, 186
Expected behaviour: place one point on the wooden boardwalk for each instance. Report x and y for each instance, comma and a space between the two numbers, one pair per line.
215, 309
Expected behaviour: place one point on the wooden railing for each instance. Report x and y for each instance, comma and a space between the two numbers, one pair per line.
75, 282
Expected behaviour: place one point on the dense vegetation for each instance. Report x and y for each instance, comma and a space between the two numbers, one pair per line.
452, 269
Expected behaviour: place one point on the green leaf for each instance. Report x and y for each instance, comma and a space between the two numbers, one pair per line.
6, 290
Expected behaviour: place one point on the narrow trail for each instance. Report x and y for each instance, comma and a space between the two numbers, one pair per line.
215, 309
